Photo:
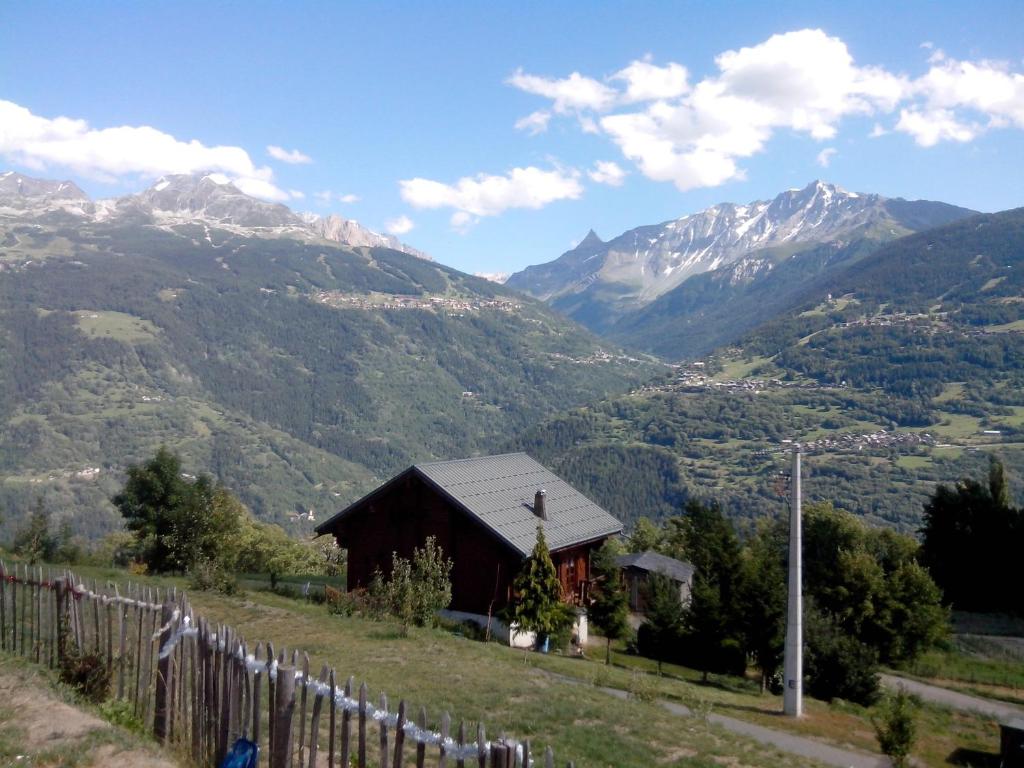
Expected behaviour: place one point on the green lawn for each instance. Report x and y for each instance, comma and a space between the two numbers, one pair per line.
524, 694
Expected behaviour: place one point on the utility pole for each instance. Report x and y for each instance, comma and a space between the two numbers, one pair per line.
793, 670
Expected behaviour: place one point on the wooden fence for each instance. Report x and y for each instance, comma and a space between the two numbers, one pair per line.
199, 687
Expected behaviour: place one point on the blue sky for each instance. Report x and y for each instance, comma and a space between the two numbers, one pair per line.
404, 115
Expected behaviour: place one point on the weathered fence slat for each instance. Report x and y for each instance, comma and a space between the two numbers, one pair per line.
421, 748
302, 707
346, 725
383, 729
162, 712
399, 735
361, 755
284, 707
446, 724
460, 763
314, 726
333, 725
257, 685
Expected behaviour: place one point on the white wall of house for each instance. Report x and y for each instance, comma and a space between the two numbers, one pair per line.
512, 636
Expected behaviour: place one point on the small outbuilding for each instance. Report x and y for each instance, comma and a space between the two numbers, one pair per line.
638, 566
483, 514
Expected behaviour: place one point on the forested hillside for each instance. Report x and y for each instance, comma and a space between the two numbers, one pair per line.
904, 370
298, 372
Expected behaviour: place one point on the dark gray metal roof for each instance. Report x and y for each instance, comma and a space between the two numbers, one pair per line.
656, 563
499, 491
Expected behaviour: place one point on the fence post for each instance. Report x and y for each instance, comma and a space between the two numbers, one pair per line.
284, 707
60, 621
163, 668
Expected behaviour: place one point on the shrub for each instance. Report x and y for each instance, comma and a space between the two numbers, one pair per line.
120, 713
415, 590
896, 728
87, 673
640, 687
208, 575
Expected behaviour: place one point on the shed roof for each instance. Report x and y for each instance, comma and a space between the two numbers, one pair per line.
499, 491
653, 562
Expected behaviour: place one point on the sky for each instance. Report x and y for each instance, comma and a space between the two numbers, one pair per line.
495, 135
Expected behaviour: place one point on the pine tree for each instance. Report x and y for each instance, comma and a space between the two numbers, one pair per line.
662, 629
609, 607
537, 604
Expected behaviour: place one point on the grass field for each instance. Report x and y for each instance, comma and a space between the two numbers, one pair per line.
115, 325
525, 694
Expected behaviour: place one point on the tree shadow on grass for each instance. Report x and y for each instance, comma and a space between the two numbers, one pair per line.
973, 758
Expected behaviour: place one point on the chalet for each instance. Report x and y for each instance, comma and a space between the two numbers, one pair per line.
484, 514
637, 567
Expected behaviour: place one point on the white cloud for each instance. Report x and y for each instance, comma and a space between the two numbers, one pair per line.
803, 81
489, 195
534, 123
462, 222
568, 94
825, 156
111, 153
648, 82
399, 226
292, 157
296, 194
326, 197
607, 172
929, 127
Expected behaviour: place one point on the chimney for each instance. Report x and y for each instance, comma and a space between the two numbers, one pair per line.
538, 504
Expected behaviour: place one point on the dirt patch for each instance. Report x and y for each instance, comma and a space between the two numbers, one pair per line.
41, 730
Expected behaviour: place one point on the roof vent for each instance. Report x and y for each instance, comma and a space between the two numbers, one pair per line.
539, 508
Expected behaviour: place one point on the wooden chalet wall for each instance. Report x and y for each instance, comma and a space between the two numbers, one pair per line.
402, 517
408, 510
573, 566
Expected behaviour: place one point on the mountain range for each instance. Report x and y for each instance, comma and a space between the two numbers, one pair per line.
900, 371
640, 288
297, 370
205, 198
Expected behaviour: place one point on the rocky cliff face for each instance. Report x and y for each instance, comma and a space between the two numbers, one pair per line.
642, 264
204, 198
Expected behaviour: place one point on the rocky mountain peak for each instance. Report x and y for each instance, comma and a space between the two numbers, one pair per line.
597, 280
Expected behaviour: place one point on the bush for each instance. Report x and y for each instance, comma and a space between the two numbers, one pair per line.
209, 576
120, 713
836, 665
641, 688
896, 729
87, 673
415, 590
354, 603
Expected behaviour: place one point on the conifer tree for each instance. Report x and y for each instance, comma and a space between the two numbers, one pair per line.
609, 607
537, 603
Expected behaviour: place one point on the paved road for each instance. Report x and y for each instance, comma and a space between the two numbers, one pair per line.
953, 699
781, 740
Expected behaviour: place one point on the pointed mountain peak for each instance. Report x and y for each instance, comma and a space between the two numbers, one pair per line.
590, 239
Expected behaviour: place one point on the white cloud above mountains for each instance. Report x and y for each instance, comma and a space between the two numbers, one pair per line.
108, 154
472, 197
399, 226
607, 172
805, 81
292, 156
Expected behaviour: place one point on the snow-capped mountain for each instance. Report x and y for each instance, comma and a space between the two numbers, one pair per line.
641, 264
205, 198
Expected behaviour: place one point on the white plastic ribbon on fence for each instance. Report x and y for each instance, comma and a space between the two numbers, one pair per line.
345, 703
